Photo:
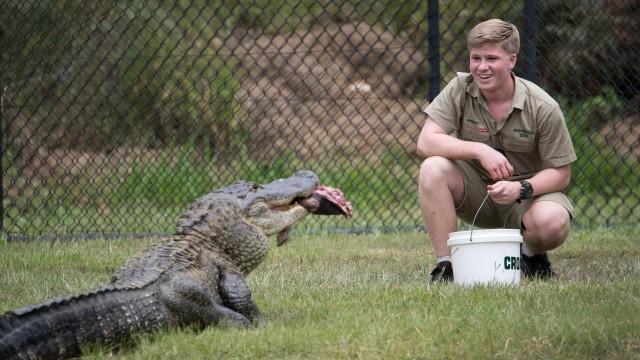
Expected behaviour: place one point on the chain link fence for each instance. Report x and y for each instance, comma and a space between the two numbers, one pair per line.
117, 114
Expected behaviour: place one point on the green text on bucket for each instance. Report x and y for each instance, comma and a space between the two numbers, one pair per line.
512, 263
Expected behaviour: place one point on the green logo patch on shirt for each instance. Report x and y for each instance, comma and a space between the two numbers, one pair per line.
523, 133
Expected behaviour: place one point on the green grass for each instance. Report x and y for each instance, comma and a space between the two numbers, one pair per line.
367, 297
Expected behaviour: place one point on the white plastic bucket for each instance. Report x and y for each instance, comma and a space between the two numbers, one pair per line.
486, 256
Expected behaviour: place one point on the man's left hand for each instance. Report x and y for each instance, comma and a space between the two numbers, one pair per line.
504, 192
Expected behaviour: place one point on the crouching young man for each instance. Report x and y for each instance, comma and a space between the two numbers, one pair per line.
491, 131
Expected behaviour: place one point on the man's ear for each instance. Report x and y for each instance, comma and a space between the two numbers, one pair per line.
513, 59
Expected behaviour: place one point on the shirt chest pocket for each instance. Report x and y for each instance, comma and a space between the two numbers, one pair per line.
475, 134
517, 145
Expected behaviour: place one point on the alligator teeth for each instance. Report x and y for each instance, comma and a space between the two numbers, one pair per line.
282, 207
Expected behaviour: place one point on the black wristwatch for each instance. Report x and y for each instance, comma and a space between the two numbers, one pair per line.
526, 190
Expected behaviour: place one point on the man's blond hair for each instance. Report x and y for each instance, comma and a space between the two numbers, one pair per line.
495, 31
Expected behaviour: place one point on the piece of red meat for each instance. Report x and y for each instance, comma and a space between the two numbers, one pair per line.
331, 202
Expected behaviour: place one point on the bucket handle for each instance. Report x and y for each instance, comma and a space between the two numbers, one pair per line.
478, 211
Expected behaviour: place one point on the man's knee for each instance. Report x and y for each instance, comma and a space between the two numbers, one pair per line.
547, 222
435, 169
439, 175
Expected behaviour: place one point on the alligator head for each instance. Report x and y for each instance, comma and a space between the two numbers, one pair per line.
271, 206
275, 206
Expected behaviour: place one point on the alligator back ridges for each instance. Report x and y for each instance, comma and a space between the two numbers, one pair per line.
56, 328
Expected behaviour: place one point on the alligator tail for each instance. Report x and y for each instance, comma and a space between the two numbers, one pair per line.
60, 328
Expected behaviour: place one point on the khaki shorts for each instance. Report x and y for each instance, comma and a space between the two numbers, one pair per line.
494, 215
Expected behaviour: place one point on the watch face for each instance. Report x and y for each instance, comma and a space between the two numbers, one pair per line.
527, 190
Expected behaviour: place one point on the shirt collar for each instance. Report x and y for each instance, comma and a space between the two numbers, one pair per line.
519, 94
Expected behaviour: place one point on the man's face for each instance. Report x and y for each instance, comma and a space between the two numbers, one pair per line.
491, 67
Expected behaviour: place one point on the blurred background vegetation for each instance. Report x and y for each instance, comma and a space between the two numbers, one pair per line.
116, 114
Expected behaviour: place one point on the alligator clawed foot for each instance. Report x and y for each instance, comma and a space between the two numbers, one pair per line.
236, 320
259, 321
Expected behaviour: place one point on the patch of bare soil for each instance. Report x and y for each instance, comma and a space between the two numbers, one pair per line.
623, 137
336, 87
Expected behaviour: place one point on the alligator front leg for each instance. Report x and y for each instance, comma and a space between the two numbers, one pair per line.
191, 303
236, 295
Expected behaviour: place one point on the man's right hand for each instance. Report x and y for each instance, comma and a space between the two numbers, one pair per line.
434, 141
496, 164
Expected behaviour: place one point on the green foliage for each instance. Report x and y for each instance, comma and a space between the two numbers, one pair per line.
590, 113
170, 179
598, 168
150, 192
345, 297
605, 186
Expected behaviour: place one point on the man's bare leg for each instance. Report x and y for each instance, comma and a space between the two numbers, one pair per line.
546, 227
440, 188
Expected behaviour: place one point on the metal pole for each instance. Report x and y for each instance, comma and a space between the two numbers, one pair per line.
2, 104
529, 14
433, 14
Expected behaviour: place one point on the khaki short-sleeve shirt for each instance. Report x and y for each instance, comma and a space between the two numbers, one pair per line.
533, 135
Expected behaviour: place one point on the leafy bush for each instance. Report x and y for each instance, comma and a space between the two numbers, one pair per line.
604, 183
598, 167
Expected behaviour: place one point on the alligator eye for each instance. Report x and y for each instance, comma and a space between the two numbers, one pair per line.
258, 209
255, 187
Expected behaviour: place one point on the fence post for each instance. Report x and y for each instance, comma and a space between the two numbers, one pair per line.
529, 15
1, 159
433, 14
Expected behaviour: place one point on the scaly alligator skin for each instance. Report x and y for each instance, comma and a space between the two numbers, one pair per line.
195, 277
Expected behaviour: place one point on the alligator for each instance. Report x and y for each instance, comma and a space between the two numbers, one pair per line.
193, 278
